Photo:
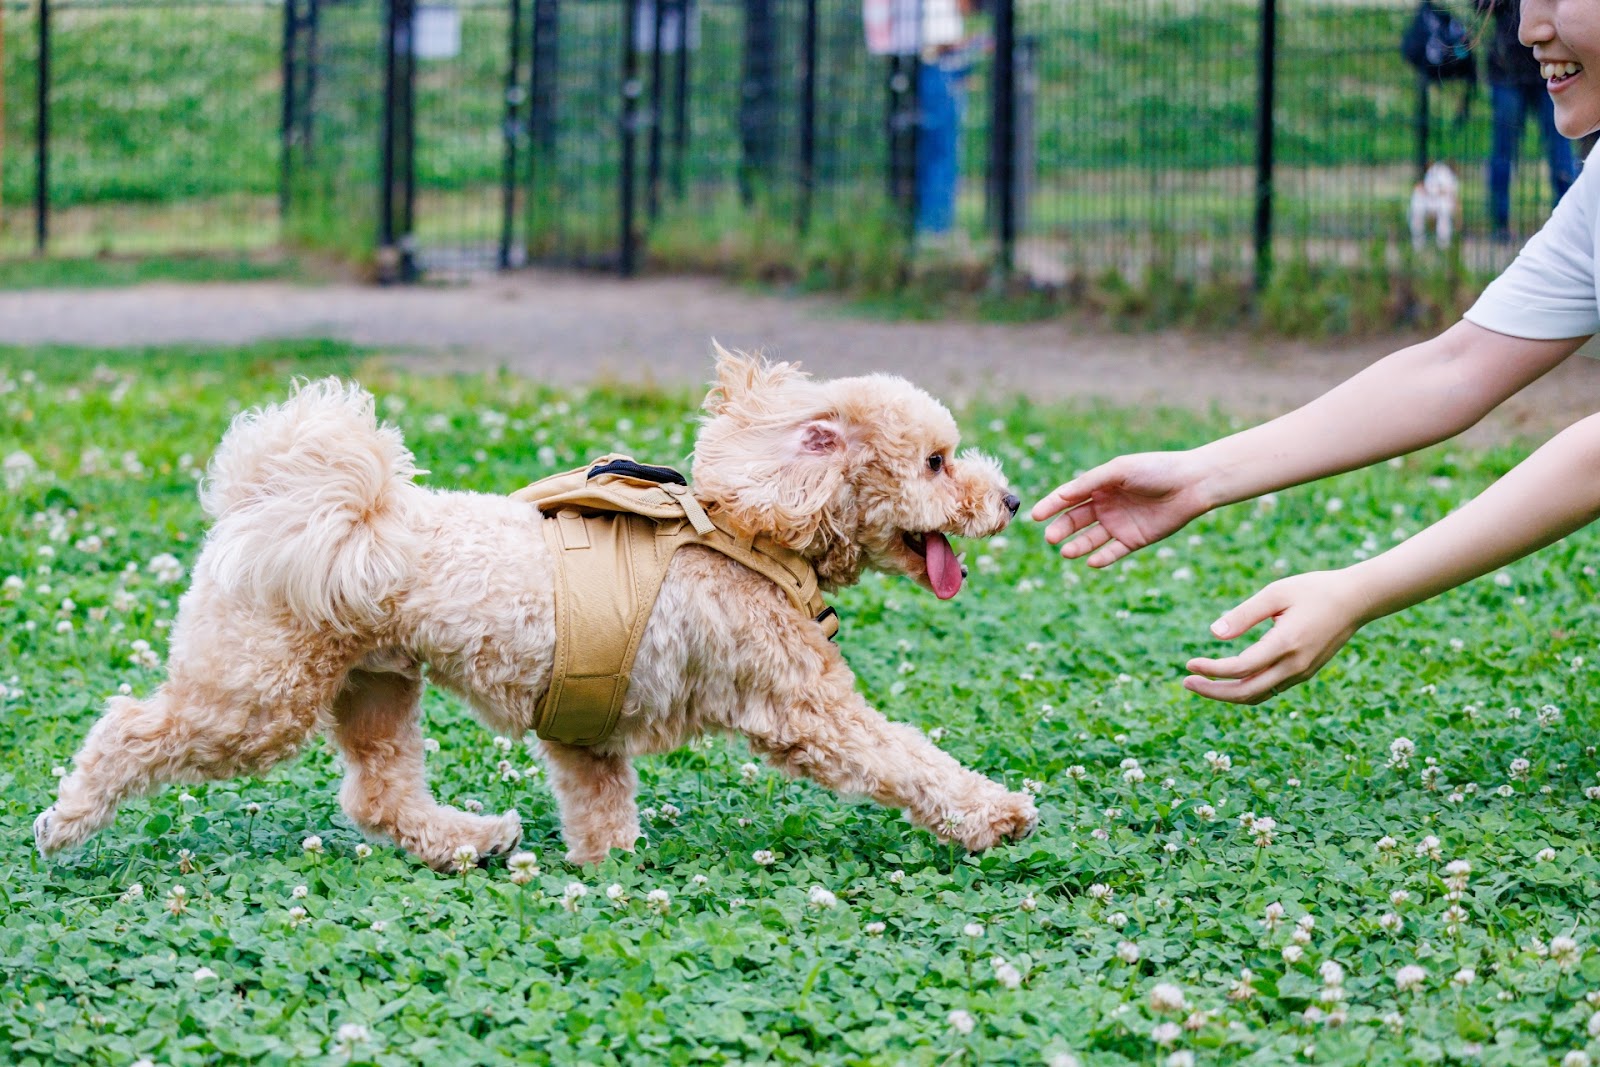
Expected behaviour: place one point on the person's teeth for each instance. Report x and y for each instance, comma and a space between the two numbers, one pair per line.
1558, 70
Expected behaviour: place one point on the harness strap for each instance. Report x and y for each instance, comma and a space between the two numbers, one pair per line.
612, 528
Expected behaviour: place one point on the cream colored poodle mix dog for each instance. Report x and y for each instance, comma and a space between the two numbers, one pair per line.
329, 574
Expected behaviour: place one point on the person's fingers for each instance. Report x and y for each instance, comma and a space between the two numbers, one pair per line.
1085, 542
1112, 551
1065, 495
1070, 522
1252, 690
1259, 657
1259, 608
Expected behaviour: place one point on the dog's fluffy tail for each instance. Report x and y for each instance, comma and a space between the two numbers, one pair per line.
310, 499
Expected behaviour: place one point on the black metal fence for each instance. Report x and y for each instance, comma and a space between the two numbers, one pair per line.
1201, 137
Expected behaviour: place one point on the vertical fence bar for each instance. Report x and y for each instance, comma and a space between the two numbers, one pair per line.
513, 131
901, 135
1003, 123
408, 141
41, 187
628, 252
808, 114
653, 115
386, 153
1265, 91
680, 101
286, 129
1422, 124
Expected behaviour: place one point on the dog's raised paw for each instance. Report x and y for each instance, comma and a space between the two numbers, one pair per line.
1010, 817
41, 831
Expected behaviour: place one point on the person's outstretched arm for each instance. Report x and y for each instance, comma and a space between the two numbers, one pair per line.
1550, 494
1415, 397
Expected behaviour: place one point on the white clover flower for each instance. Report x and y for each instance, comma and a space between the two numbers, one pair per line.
352, 1034
1386, 844
821, 899
1576, 1058
1564, 951
1545, 855
464, 858
1218, 761
1594, 1025
1165, 1033
1247, 820
1029, 903
297, 915
299, 892
1032, 786
1077, 772
973, 930
1205, 812
1391, 922
1166, 997
202, 974
950, 824
1273, 916
1401, 749
165, 568
1409, 977
1242, 990
874, 929
1505, 791
1004, 973
1117, 920
749, 772
1519, 770
524, 866
1127, 952
670, 812
1464, 977
177, 899
1549, 715
960, 1021
311, 845
1301, 936
132, 893
1100, 892
1306, 923
763, 857
364, 850
572, 894
1181, 1058
616, 894
896, 877
1331, 973
378, 926
1293, 954
1429, 847
658, 901
1133, 775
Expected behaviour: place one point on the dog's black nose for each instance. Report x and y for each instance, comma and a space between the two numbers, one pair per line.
1012, 502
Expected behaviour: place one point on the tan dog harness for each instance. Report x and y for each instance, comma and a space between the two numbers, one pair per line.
612, 528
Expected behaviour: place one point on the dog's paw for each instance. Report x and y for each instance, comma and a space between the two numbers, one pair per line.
1009, 817
52, 833
485, 835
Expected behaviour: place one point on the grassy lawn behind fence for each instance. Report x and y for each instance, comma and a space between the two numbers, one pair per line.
182, 933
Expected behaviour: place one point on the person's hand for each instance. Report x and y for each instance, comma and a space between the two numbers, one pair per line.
1122, 506
1313, 615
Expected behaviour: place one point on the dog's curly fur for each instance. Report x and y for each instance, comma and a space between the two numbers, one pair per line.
329, 576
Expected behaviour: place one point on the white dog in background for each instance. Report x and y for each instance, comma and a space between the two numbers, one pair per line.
1435, 199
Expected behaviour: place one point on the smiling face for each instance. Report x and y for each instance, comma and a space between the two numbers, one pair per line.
853, 473
1565, 38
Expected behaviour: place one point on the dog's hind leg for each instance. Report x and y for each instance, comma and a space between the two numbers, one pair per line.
378, 728
596, 795
183, 732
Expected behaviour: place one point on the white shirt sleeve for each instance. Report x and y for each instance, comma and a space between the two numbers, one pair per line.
1548, 292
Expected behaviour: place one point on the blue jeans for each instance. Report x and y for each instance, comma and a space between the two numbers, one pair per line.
1511, 104
939, 107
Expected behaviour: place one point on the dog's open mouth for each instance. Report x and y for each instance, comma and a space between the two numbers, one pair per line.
945, 572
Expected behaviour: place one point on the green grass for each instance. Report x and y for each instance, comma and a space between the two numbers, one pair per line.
1036, 669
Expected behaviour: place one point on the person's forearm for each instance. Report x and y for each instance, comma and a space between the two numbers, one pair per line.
1550, 494
1416, 397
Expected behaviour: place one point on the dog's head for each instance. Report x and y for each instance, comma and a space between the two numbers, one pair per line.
852, 473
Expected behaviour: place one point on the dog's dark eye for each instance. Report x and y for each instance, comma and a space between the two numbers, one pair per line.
936, 462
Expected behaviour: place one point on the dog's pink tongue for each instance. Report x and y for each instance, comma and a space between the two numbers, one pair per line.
944, 570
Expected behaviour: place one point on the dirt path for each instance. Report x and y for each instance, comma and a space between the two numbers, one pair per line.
572, 328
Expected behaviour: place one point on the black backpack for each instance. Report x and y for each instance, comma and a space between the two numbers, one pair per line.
1437, 44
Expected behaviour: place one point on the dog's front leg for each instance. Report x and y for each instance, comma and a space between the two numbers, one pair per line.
829, 734
595, 793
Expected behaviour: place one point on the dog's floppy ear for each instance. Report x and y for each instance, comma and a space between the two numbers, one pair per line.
744, 380
776, 476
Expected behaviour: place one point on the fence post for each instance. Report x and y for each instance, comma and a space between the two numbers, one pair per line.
658, 14
901, 136
513, 131
680, 101
1003, 126
628, 251
397, 157
758, 134
1422, 124
41, 186
808, 114
1264, 155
